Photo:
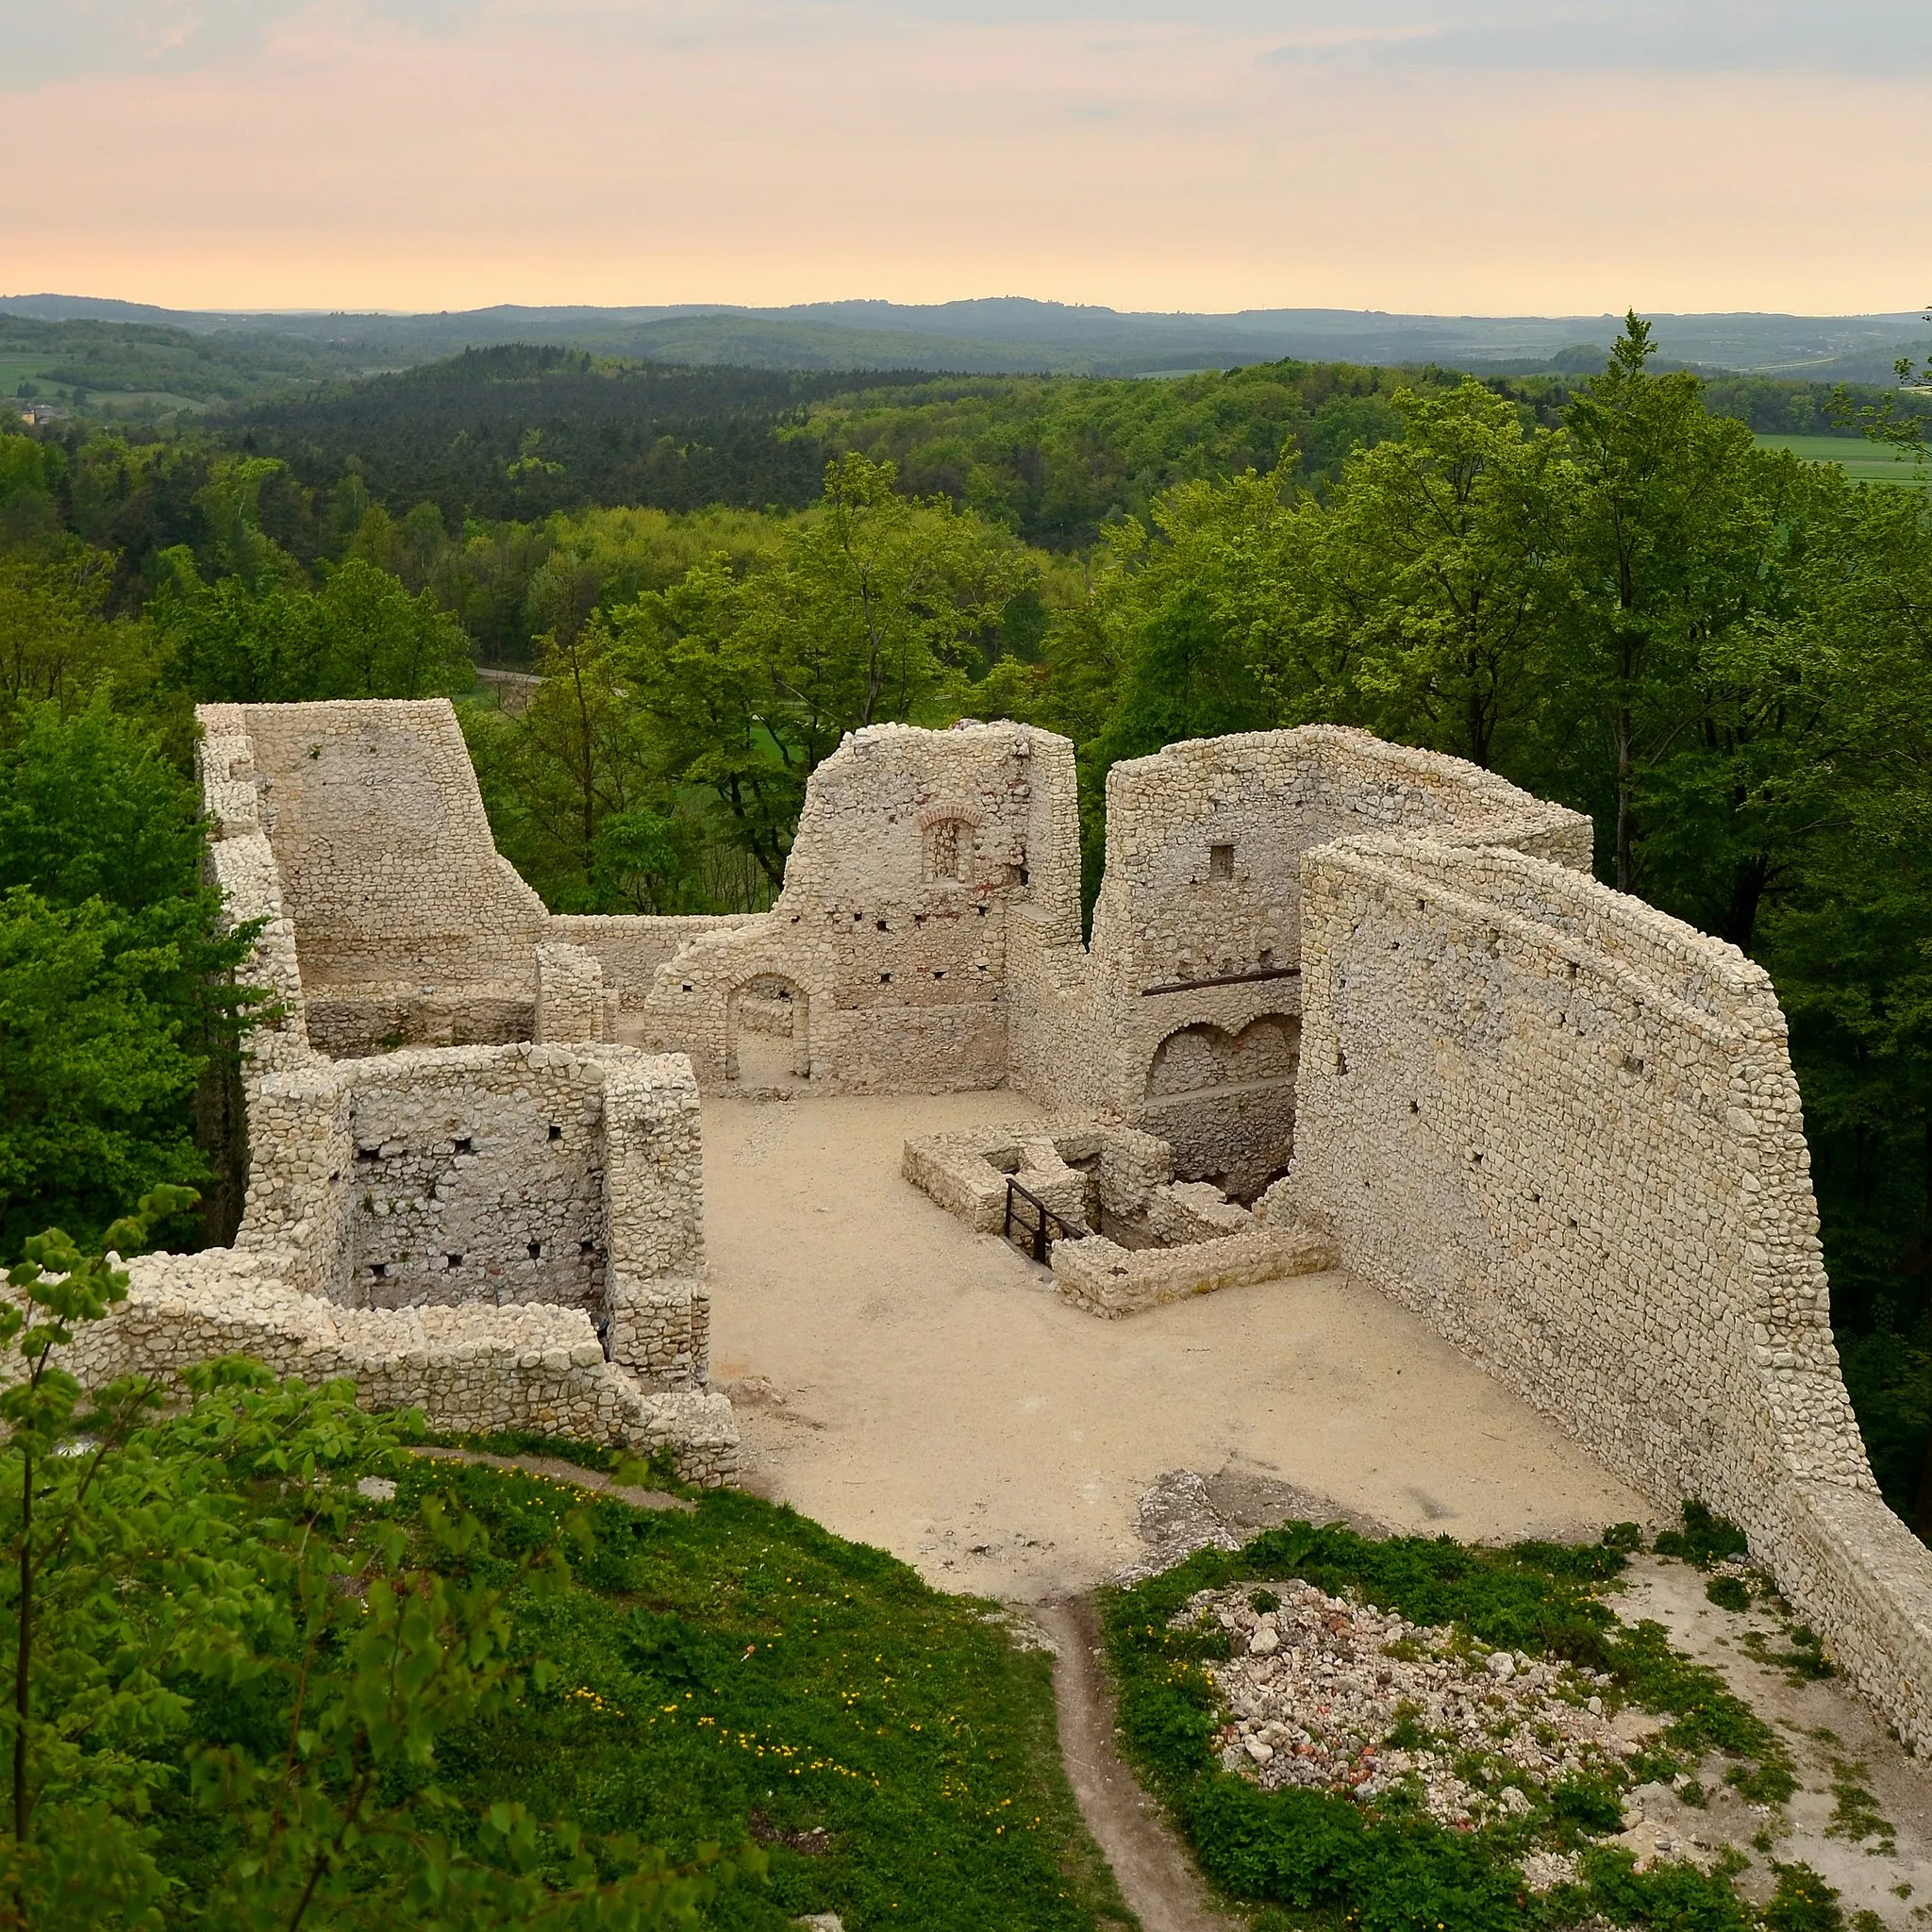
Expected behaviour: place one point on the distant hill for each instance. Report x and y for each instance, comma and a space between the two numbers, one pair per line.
520, 431
1001, 335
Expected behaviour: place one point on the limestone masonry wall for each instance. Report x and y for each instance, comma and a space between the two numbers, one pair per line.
408, 926
914, 851
1564, 1127
1184, 1017
507, 1235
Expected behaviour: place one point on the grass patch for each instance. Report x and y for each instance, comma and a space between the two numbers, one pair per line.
1320, 1855
736, 1671
1863, 461
1854, 1813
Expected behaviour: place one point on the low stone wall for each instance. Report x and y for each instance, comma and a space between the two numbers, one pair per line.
631, 947
468, 1369
1564, 1128
1175, 1239
1111, 1281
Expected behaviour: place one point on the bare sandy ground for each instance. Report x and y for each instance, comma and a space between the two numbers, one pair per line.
918, 1387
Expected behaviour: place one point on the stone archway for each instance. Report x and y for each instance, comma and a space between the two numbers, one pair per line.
1225, 1102
768, 1032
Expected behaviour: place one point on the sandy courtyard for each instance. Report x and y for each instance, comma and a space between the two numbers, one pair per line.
913, 1385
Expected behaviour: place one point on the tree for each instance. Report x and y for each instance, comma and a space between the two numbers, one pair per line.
873, 608
202, 1619
360, 635
57, 640
1664, 540
571, 762
1440, 553
117, 994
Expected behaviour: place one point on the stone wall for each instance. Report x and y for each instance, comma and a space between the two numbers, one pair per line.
408, 926
1564, 1128
1128, 1237
631, 947
469, 1369
1183, 1017
914, 851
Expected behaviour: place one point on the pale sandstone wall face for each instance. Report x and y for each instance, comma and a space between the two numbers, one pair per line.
631, 947
410, 927
400, 1161
1193, 986
1564, 1127
914, 851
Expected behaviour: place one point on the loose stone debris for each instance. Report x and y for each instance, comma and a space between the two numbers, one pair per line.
1337, 1696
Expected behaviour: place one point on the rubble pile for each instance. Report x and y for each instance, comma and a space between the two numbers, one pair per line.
1342, 1697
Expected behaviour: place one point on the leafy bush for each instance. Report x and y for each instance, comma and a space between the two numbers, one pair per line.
1704, 1539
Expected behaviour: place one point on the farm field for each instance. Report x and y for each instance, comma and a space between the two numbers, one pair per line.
1864, 463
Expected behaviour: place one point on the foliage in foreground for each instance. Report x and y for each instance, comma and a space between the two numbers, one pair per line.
250, 1688
1392, 1869
167, 1570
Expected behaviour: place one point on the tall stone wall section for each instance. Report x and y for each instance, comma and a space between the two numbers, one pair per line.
1565, 1129
916, 852
1184, 1016
410, 927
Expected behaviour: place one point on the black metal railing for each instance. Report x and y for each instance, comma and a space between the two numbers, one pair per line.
1040, 1230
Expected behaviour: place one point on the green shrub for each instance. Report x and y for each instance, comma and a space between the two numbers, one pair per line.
1705, 1539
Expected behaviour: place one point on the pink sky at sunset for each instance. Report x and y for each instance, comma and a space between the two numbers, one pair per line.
418, 156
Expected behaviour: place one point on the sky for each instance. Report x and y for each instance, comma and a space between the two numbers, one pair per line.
1464, 157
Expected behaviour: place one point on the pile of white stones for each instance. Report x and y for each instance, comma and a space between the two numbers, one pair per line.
1315, 1687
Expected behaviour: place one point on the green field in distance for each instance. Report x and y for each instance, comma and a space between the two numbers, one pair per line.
1864, 463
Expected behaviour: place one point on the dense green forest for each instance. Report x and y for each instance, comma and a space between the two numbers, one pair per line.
1599, 586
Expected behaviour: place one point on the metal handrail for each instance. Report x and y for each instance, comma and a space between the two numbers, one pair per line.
1039, 1232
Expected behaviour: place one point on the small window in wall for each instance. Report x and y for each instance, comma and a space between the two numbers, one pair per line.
947, 841
1221, 862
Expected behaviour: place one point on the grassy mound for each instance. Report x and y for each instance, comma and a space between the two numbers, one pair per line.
1300, 1855
734, 1669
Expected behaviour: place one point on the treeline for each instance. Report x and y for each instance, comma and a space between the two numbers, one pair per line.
517, 433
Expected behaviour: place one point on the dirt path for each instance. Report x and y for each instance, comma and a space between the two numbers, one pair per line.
918, 1387
1155, 1876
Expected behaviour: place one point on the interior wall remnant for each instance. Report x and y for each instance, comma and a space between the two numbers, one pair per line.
1225, 1101
410, 927
915, 851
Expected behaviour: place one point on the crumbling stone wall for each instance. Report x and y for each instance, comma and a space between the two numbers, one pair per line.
409, 926
1564, 1127
507, 1236
1184, 1016
631, 947
477, 1369
914, 850
1129, 1237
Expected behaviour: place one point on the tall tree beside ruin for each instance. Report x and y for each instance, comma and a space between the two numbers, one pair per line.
873, 609
1442, 556
1664, 538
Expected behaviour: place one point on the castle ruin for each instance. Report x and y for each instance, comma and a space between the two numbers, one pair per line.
1342, 999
